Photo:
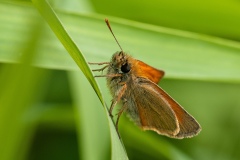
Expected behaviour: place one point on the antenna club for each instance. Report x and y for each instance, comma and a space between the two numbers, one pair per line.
109, 27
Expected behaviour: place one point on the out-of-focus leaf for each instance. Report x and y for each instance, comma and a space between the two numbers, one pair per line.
181, 54
19, 84
218, 18
94, 137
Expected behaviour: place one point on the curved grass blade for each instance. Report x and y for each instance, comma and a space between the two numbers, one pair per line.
48, 14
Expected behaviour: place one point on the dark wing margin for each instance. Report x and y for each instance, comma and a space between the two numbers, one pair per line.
159, 112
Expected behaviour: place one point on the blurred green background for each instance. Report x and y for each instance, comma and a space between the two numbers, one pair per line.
48, 110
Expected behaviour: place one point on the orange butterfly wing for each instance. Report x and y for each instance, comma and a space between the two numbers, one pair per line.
157, 110
153, 112
142, 69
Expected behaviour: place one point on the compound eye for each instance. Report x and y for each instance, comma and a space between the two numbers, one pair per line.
126, 68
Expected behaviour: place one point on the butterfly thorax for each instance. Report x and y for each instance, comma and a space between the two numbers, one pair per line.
124, 66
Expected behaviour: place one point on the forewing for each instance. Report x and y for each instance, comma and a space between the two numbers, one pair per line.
154, 113
144, 70
163, 104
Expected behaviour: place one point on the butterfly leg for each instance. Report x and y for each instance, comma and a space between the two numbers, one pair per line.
117, 98
109, 75
101, 69
120, 113
101, 63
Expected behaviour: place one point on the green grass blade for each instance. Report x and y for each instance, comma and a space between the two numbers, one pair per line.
182, 55
49, 15
93, 130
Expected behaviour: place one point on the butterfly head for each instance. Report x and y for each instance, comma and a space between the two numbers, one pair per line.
120, 62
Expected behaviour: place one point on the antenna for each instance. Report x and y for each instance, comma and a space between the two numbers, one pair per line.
108, 24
